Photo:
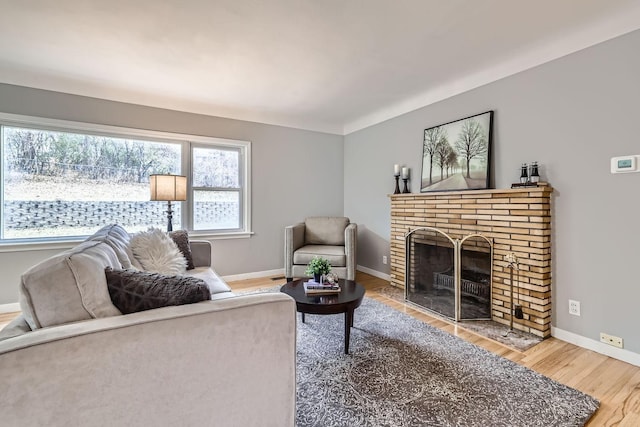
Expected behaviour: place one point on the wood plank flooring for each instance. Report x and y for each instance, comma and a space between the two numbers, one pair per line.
616, 384
6, 318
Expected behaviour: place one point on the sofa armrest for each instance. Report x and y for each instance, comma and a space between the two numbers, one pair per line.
293, 240
227, 362
201, 253
350, 249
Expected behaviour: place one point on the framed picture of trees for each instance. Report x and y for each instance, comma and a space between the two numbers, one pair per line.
457, 155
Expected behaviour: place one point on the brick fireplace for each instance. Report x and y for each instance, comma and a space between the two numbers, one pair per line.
517, 220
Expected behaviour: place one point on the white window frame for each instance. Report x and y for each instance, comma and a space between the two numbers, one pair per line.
185, 140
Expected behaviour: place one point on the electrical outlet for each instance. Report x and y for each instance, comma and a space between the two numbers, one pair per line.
574, 307
384, 259
611, 340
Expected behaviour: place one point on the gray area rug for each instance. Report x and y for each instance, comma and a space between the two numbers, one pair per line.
403, 372
518, 340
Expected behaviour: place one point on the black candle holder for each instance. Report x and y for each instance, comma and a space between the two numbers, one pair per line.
406, 189
529, 176
397, 190
524, 174
534, 176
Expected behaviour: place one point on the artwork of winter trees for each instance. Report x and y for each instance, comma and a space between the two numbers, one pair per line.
456, 155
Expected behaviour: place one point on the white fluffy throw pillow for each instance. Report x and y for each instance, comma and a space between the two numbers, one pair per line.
157, 252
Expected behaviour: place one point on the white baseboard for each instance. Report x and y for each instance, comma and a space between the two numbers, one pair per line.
254, 275
280, 271
9, 308
374, 273
597, 346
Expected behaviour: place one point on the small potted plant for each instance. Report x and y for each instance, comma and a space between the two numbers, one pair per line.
317, 267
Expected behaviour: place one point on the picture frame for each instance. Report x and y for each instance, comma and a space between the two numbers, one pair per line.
457, 155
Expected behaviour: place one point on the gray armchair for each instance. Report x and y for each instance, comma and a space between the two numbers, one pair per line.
333, 238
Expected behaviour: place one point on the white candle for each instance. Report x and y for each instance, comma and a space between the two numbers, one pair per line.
405, 173
396, 170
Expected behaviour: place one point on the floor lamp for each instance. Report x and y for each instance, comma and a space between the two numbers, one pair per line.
168, 188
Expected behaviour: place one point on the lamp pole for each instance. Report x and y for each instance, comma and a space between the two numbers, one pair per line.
169, 216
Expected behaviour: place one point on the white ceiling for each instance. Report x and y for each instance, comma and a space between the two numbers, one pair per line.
329, 65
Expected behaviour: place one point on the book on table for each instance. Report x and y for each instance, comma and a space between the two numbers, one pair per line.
316, 288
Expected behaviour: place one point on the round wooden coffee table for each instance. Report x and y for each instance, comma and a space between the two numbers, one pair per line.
345, 302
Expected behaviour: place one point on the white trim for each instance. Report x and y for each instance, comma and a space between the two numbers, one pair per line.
374, 273
246, 186
280, 272
118, 131
68, 244
221, 236
254, 275
39, 246
597, 346
13, 307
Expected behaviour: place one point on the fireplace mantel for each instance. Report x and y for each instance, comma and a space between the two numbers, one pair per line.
518, 220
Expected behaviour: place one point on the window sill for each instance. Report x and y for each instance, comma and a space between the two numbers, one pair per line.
39, 246
220, 236
70, 243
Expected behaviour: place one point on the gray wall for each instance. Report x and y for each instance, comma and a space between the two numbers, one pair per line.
285, 186
571, 115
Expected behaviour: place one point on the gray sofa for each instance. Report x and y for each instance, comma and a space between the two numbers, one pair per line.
71, 358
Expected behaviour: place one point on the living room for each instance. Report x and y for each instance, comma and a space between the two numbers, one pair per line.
571, 112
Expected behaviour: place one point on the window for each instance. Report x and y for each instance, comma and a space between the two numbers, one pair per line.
65, 180
217, 190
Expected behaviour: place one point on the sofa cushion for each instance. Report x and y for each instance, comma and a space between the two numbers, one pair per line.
325, 230
69, 286
132, 290
334, 254
119, 240
157, 252
181, 239
214, 282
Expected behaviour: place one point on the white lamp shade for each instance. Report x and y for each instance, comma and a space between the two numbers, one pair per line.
168, 188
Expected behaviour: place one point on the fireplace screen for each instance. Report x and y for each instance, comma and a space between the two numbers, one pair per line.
449, 277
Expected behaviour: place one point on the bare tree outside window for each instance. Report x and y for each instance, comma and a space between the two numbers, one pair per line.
216, 187
61, 184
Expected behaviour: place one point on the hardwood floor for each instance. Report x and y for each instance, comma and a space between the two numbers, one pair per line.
616, 384
6, 318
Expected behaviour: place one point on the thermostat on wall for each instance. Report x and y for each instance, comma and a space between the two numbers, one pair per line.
624, 164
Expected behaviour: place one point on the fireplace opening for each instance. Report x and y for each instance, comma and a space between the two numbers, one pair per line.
447, 276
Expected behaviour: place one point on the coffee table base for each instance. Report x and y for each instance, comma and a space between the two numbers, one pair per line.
346, 302
348, 324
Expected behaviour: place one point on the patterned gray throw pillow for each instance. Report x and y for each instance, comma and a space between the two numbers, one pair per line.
132, 290
181, 239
